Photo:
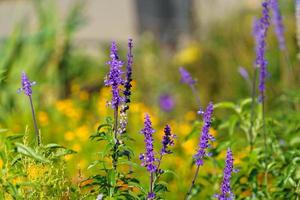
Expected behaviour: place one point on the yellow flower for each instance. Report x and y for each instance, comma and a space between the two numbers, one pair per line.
76, 147
75, 88
36, 171
43, 118
184, 129
83, 95
69, 136
82, 164
68, 157
190, 116
189, 55
67, 108
82, 133
1, 163
103, 99
213, 132
189, 147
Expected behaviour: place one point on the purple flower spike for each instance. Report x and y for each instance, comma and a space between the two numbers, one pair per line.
166, 102
226, 193
260, 29
186, 77
114, 78
127, 84
168, 140
277, 21
205, 136
148, 158
26, 85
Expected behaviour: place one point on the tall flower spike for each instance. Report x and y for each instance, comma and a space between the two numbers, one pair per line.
114, 78
277, 21
186, 77
167, 141
261, 28
127, 90
26, 85
205, 136
148, 158
226, 193
127, 84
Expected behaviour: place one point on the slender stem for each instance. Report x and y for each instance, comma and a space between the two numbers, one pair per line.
115, 158
151, 183
193, 183
116, 123
265, 142
251, 136
290, 76
196, 95
159, 161
264, 126
38, 137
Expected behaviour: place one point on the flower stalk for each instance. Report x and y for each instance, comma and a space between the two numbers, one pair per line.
26, 88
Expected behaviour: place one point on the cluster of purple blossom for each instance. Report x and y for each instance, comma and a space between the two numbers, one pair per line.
149, 160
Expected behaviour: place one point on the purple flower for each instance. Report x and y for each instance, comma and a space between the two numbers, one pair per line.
26, 85
205, 136
168, 140
277, 21
148, 158
166, 102
186, 77
151, 195
243, 72
261, 28
226, 193
127, 84
114, 78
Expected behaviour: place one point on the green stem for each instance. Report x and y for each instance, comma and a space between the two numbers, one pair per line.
38, 136
115, 148
196, 95
193, 183
251, 136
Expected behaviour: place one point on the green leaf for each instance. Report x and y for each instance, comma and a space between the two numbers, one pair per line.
160, 187
27, 151
3, 130
228, 105
112, 177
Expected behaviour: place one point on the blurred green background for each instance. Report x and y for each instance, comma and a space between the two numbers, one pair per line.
64, 47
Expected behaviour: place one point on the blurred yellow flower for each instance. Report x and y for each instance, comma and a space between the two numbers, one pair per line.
1, 163
43, 118
189, 146
82, 133
190, 116
213, 132
102, 102
36, 171
83, 95
75, 88
189, 55
76, 147
67, 108
17, 180
68, 157
184, 129
82, 164
69, 136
